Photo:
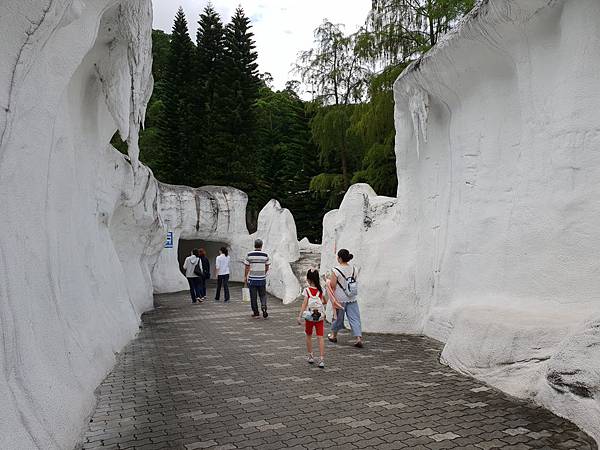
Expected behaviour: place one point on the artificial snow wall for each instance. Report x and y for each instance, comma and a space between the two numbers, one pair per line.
492, 243
83, 227
70, 70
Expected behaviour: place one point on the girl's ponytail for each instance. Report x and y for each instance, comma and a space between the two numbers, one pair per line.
313, 276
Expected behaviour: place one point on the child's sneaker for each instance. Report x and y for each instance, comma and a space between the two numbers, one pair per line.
310, 359
322, 364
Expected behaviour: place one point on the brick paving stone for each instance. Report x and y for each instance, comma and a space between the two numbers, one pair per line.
208, 376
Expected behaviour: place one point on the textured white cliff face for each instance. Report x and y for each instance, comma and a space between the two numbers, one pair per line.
491, 245
83, 227
72, 281
209, 213
277, 229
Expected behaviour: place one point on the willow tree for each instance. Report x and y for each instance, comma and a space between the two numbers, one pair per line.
400, 29
337, 76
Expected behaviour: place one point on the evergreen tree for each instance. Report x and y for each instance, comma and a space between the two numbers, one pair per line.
237, 103
210, 41
175, 126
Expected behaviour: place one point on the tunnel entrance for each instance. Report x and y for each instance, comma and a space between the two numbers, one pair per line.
185, 246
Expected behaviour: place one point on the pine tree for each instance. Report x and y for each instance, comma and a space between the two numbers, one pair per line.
210, 41
237, 104
175, 127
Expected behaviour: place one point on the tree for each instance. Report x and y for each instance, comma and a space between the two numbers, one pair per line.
373, 121
237, 105
337, 75
175, 126
287, 158
332, 68
399, 29
210, 44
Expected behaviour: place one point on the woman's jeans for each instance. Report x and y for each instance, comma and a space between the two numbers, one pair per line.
194, 288
223, 280
351, 311
202, 286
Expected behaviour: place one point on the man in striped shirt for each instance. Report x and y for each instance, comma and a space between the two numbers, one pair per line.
257, 265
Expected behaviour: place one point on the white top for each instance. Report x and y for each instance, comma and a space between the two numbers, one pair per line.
347, 270
222, 265
188, 266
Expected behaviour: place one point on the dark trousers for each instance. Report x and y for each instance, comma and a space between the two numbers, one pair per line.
223, 280
260, 291
194, 288
202, 286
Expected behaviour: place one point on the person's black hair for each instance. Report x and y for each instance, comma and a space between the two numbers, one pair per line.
195, 252
225, 251
313, 275
345, 255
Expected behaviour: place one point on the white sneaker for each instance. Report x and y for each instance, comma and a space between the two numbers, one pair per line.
321, 364
310, 359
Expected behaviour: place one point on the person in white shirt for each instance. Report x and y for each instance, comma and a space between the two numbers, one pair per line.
222, 267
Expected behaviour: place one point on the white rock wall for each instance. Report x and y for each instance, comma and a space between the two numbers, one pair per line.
82, 227
209, 213
277, 229
68, 301
492, 242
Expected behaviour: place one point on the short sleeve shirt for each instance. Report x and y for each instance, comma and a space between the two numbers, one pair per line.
258, 262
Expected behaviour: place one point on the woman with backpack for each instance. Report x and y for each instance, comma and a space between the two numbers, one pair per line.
344, 287
313, 313
193, 275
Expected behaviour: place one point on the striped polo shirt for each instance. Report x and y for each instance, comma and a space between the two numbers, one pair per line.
258, 262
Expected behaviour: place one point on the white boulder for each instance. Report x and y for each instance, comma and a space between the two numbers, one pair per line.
277, 230
491, 244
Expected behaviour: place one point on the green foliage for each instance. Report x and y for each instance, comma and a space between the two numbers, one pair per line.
213, 119
210, 85
401, 29
333, 69
174, 127
287, 158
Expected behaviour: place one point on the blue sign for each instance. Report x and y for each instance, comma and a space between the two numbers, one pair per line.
169, 241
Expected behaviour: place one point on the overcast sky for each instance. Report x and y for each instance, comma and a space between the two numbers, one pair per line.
282, 28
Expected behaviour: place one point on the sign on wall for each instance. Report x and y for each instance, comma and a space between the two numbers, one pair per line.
169, 241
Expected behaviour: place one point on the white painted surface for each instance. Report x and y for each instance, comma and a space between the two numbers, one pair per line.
82, 227
277, 229
492, 243
210, 213
68, 298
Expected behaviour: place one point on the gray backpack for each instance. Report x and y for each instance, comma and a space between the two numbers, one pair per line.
351, 288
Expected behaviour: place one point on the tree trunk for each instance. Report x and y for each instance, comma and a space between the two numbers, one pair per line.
343, 157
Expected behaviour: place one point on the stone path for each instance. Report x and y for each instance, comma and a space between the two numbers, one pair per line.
209, 376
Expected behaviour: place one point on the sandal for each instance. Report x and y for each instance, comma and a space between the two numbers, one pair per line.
331, 338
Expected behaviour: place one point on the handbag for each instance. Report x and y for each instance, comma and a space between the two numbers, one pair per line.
198, 268
245, 294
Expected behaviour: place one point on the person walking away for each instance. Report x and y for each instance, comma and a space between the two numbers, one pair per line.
343, 285
255, 276
205, 264
193, 278
313, 313
222, 269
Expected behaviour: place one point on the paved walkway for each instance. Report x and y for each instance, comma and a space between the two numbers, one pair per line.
209, 376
